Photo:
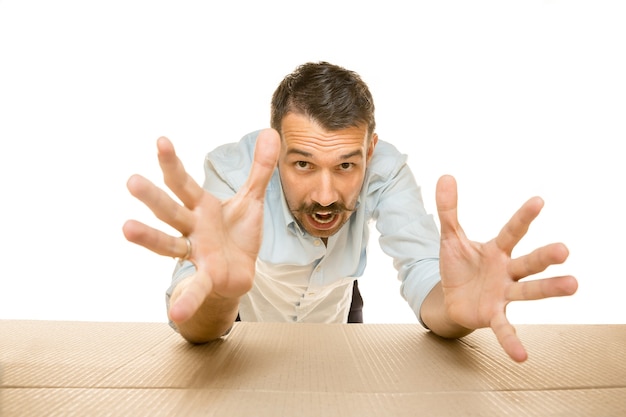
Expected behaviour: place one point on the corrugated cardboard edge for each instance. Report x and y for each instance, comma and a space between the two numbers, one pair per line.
75, 368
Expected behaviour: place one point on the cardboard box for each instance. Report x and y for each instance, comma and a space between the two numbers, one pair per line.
261, 369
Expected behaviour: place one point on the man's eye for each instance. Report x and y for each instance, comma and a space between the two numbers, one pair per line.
302, 164
346, 166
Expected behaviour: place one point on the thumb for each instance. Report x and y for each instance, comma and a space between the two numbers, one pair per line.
265, 157
446, 197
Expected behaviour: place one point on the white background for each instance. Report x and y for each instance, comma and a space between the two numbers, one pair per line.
515, 99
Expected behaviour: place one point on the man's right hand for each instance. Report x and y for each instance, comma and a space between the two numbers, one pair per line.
225, 236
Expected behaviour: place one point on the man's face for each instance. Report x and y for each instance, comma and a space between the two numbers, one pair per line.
322, 172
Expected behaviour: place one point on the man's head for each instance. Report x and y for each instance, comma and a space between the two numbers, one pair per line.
334, 97
325, 117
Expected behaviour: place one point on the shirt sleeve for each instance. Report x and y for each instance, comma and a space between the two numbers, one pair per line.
408, 234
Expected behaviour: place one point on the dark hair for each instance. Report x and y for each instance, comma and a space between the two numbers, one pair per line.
333, 96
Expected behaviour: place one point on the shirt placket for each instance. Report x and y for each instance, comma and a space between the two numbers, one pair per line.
316, 281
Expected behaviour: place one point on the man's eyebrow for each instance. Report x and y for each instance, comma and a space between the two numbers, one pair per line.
299, 152
310, 155
352, 154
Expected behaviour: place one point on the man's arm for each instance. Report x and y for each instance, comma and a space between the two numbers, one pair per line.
435, 316
212, 320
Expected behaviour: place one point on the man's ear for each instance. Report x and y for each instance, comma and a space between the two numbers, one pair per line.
372, 145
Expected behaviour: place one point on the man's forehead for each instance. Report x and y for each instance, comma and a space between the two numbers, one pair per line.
301, 124
301, 134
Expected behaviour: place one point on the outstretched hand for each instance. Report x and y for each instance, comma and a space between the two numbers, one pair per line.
225, 236
480, 279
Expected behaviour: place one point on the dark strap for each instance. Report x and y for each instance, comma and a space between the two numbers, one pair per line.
356, 308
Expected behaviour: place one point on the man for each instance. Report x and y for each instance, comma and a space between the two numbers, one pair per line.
279, 230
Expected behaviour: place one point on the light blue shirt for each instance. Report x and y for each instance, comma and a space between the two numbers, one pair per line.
297, 278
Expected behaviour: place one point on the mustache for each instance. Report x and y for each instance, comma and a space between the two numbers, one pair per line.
336, 207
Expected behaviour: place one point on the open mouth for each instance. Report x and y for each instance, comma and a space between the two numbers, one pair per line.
324, 217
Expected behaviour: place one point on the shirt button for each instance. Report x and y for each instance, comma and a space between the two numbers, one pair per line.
317, 242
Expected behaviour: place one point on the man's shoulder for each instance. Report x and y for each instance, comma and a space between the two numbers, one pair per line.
387, 160
242, 150
232, 161
386, 149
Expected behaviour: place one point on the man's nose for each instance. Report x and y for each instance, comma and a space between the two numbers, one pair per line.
324, 191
